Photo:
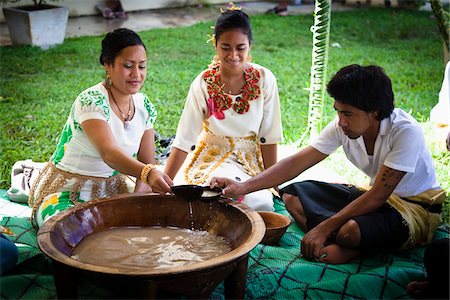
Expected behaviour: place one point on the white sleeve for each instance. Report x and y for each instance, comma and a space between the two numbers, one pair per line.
271, 128
194, 112
328, 140
91, 104
406, 145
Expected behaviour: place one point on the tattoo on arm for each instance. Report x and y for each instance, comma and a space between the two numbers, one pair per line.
390, 177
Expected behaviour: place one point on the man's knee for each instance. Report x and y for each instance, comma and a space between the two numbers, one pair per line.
292, 203
349, 234
294, 207
289, 199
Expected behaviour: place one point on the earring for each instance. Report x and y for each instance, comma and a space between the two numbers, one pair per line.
108, 81
249, 58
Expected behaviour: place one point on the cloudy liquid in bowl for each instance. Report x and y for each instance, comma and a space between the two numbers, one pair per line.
138, 248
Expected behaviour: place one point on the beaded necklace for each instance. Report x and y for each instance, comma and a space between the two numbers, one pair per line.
220, 101
126, 118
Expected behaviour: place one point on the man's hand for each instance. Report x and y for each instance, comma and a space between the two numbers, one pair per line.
230, 188
314, 240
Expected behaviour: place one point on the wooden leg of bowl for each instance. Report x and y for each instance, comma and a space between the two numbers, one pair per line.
148, 290
235, 282
65, 282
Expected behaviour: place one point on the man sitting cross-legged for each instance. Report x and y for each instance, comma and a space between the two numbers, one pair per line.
402, 207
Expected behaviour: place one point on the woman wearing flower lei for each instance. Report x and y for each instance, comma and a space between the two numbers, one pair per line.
231, 122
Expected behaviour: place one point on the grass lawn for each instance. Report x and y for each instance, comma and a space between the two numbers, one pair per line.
37, 88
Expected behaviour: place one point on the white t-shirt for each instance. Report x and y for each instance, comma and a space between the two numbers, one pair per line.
400, 145
263, 119
76, 154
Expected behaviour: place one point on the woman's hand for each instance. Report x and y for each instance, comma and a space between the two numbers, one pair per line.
141, 187
230, 188
159, 182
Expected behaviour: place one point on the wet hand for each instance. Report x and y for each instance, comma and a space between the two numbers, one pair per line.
160, 182
141, 187
230, 188
313, 242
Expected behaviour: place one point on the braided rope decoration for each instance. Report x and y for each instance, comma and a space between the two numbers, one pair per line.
442, 20
321, 37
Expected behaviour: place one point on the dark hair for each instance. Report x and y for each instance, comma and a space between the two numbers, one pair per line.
365, 87
233, 19
116, 41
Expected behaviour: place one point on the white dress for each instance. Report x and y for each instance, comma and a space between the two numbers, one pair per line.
226, 143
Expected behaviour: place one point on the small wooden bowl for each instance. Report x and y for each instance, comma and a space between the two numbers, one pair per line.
276, 226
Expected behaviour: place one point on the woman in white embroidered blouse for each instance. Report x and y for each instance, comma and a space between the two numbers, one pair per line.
231, 122
109, 132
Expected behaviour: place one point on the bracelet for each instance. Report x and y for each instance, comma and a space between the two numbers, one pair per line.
145, 171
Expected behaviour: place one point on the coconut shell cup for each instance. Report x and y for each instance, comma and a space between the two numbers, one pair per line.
276, 226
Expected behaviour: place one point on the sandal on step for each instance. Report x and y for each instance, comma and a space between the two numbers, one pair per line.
106, 12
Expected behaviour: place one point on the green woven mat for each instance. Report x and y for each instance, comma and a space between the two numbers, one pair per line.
281, 273
273, 272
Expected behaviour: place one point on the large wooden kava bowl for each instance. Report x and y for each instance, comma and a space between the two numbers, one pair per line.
239, 224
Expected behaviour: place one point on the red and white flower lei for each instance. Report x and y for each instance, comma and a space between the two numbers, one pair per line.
219, 101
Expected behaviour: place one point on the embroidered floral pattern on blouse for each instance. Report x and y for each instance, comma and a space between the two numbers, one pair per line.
66, 136
95, 97
219, 101
91, 99
151, 111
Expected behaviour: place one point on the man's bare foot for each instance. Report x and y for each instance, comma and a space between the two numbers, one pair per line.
335, 254
418, 289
